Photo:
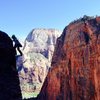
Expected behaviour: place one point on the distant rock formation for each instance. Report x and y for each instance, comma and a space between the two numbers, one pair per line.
9, 81
36, 60
75, 71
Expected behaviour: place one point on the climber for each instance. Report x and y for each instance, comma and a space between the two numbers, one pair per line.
17, 44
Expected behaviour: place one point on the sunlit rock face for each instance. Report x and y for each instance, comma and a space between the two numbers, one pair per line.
75, 69
33, 66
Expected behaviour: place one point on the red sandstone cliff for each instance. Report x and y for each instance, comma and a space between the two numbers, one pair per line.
75, 71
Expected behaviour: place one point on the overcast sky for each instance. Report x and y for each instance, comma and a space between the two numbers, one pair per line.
19, 17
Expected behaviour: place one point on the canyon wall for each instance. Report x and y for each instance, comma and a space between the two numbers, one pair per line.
75, 69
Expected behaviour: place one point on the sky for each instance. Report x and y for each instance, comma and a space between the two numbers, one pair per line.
19, 17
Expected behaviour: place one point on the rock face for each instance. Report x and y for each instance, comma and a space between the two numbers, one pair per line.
34, 64
75, 71
9, 81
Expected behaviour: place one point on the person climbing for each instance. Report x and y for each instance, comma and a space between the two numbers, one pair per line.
17, 44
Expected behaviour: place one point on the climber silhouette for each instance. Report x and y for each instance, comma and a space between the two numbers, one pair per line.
17, 44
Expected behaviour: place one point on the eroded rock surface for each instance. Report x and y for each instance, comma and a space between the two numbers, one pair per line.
75, 71
36, 60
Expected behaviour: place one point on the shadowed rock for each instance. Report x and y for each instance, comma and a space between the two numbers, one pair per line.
9, 81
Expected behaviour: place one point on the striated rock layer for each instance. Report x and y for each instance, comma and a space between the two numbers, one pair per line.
34, 64
75, 71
